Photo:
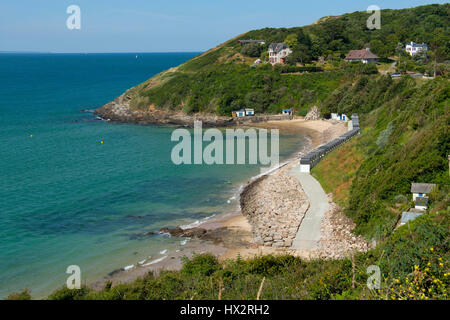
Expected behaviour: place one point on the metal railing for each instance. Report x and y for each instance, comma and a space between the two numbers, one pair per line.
314, 157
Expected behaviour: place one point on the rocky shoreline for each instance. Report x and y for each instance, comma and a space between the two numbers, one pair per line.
119, 111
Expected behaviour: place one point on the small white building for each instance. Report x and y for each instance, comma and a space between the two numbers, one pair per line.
249, 112
287, 112
339, 117
238, 113
278, 52
413, 48
421, 190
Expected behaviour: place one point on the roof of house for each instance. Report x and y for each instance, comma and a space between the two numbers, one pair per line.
422, 187
417, 45
409, 216
363, 54
422, 201
251, 41
277, 47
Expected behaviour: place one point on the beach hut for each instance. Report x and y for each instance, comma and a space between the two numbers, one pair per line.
421, 190
249, 112
305, 164
287, 112
238, 114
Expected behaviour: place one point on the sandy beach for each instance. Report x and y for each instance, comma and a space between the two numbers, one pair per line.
233, 233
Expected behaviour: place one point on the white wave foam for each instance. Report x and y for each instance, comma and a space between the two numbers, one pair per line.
154, 261
128, 267
196, 223
163, 252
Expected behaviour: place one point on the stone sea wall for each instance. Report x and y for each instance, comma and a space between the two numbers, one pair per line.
275, 206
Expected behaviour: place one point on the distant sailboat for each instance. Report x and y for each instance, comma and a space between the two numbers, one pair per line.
136, 56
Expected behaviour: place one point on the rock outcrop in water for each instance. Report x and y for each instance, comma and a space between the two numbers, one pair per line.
120, 111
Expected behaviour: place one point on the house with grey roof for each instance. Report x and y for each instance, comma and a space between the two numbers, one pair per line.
278, 52
421, 190
363, 55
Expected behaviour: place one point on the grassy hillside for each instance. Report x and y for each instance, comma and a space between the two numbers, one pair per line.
405, 139
222, 79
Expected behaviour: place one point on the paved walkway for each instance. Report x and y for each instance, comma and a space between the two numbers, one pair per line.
308, 235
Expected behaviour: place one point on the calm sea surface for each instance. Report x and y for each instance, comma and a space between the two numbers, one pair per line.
65, 198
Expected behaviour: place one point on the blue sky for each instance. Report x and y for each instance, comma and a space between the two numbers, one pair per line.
158, 26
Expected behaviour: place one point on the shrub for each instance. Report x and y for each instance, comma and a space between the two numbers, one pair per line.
201, 265
24, 295
251, 50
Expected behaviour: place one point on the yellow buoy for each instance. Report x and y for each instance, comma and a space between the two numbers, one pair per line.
101, 142
31, 136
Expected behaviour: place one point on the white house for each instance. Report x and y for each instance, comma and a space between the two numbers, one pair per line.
278, 52
287, 112
421, 190
413, 48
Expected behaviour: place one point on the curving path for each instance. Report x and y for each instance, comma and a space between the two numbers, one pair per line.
308, 234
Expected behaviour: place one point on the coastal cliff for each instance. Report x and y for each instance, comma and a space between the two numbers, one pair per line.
120, 111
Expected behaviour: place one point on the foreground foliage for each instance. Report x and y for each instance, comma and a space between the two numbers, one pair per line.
414, 265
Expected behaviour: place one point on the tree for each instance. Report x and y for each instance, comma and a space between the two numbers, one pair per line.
292, 41
251, 50
265, 56
421, 57
400, 49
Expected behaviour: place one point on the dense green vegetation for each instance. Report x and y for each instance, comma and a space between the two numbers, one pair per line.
224, 78
405, 139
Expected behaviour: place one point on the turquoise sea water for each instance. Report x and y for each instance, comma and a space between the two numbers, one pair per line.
65, 198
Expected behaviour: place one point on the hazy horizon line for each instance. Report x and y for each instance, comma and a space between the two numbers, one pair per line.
93, 52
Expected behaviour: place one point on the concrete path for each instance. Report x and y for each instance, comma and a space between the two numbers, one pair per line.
308, 235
